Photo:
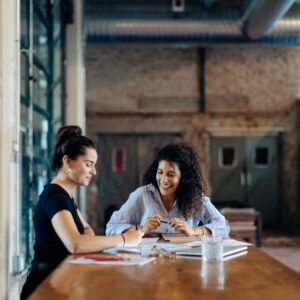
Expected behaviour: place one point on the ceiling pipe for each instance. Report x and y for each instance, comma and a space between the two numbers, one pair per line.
161, 28
262, 15
260, 23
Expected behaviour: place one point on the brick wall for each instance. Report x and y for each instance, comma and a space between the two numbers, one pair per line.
149, 89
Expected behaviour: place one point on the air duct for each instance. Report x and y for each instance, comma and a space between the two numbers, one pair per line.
107, 24
262, 15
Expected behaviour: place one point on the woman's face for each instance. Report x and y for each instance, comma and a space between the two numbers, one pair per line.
167, 178
82, 169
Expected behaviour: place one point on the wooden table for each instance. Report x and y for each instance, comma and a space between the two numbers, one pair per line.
254, 275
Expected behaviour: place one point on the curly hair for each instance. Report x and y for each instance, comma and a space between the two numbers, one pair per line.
191, 186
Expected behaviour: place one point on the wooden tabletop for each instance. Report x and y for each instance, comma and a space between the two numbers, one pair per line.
254, 275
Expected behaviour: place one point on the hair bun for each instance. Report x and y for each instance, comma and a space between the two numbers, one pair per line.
66, 132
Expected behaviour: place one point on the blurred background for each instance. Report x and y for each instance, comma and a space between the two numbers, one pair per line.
223, 75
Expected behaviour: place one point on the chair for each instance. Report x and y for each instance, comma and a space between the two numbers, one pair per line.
245, 223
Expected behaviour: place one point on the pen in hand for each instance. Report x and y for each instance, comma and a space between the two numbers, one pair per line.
166, 222
162, 221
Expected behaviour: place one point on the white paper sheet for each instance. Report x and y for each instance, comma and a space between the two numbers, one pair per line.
149, 248
147, 240
232, 242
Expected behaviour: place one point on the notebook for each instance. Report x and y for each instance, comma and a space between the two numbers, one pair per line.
179, 238
197, 251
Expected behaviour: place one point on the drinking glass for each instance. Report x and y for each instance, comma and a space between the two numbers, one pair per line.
212, 248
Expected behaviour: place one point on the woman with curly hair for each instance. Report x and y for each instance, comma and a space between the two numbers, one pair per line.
171, 200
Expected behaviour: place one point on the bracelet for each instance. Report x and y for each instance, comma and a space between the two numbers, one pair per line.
123, 237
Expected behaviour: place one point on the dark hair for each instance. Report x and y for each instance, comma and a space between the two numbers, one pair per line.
191, 186
69, 141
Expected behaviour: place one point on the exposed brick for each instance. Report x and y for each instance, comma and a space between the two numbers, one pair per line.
248, 87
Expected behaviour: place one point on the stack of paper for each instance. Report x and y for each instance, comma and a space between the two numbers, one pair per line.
150, 248
179, 238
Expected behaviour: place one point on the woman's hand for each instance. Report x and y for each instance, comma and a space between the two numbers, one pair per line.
132, 238
152, 223
181, 226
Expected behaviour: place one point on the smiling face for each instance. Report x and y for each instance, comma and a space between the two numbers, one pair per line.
82, 169
167, 178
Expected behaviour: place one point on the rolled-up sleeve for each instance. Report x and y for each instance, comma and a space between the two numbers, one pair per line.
125, 216
210, 215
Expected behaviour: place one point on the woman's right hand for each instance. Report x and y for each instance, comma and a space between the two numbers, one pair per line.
133, 238
152, 223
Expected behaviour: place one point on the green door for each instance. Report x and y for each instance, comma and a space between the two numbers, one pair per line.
245, 172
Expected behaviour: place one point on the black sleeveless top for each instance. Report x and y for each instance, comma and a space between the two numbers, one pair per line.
48, 247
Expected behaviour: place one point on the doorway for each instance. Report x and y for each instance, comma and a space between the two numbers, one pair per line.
123, 160
245, 173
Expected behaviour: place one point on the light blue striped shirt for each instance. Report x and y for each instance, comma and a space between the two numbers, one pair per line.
145, 202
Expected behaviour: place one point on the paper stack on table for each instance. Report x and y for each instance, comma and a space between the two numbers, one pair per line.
179, 238
149, 248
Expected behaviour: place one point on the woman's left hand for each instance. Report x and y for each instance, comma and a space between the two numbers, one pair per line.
181, 226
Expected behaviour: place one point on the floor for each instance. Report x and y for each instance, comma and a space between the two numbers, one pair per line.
284, 247
289, 256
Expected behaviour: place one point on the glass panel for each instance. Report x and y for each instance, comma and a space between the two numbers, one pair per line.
40, 178
24, 116
32, 186
40, 134
40, 88
227, 157
26, 212
57, 102
57, 61
261, 156
40, 41
57, 21
42, 4
24, 23
24, 75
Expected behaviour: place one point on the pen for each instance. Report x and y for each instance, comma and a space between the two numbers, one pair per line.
105, 258
162, 221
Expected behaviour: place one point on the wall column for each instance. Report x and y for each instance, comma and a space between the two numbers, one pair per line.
75, 70
75, 80
9, 123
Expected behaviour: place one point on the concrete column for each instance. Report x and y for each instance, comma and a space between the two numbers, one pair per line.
9, 126
75, 81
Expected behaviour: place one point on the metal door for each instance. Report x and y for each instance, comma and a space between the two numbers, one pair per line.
245, 172
122, 162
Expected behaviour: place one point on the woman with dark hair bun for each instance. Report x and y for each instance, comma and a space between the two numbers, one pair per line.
172, 198
60, 228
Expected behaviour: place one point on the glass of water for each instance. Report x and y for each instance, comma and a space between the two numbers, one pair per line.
212, 248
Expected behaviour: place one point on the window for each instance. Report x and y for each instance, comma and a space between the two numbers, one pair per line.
226, 157
41, 86
261, 156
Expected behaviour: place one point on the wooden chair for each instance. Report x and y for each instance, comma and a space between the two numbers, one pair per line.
245, 223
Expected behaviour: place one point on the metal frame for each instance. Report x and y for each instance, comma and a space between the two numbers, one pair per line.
30, 156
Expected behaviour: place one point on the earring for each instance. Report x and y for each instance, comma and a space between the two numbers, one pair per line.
68, 171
